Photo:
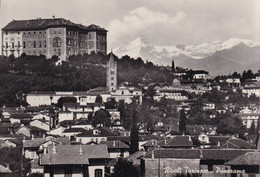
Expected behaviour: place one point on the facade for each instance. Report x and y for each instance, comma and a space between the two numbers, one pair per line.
251, 91
50, 37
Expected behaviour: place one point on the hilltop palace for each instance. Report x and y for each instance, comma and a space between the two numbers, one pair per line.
49, 37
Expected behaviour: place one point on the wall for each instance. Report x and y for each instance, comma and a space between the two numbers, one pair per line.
12, 39
168, 167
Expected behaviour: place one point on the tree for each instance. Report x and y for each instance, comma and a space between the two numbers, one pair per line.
182, 122
99, 99
252, 129
63, 100
101, 116
134, 137
111, 104
125, 168
15, 159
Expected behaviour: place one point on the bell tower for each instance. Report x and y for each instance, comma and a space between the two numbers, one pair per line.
111, 84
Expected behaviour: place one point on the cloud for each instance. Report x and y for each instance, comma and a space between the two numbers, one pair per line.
139, 20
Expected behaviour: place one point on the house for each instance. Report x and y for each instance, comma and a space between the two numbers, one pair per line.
116, 149
72, 132
22, 118
249, 117
251, 91
40, 124
127, 94
97, 135
177, 95
10, 143
75, 160
33, 148
233, 82
31, 131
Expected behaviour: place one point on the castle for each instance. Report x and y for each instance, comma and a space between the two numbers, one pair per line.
49, 37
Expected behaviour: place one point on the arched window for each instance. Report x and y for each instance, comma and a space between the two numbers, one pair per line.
98, 173
56, 42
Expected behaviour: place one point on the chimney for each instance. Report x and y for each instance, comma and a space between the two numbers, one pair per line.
114, 143
44, 136
54, 151
7, 166
80, 149
189, 138
32, 137
218, 144
152, 154
165, 141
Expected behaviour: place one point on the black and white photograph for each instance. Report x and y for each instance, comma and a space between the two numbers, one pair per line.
141, 88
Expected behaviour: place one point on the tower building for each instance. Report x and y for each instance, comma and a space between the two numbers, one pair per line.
111, 73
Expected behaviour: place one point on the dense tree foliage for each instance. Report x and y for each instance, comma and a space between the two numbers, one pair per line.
125, 168
81, 73
63, 100
16, 161
101, 117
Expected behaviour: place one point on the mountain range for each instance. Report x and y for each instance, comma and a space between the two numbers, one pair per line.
218, 57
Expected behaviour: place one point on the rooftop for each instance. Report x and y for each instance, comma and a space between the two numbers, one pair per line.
42, 24
73, 154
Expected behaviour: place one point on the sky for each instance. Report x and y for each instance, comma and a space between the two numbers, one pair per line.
162, 22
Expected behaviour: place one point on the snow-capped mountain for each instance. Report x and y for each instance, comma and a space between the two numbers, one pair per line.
137, 47
193, 54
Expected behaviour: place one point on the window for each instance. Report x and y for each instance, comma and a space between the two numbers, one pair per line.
6, 45
56, 42
75, 42
54, 32
59, 52
34, 34
112, 78
112, 72
89, 36
69, 42
112, 83
40, 34
40, 44
24, 44
12, 44
24, 35
19, 44
122, 92
68, 172
34, 44
98, 173
29, 44
44, 43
